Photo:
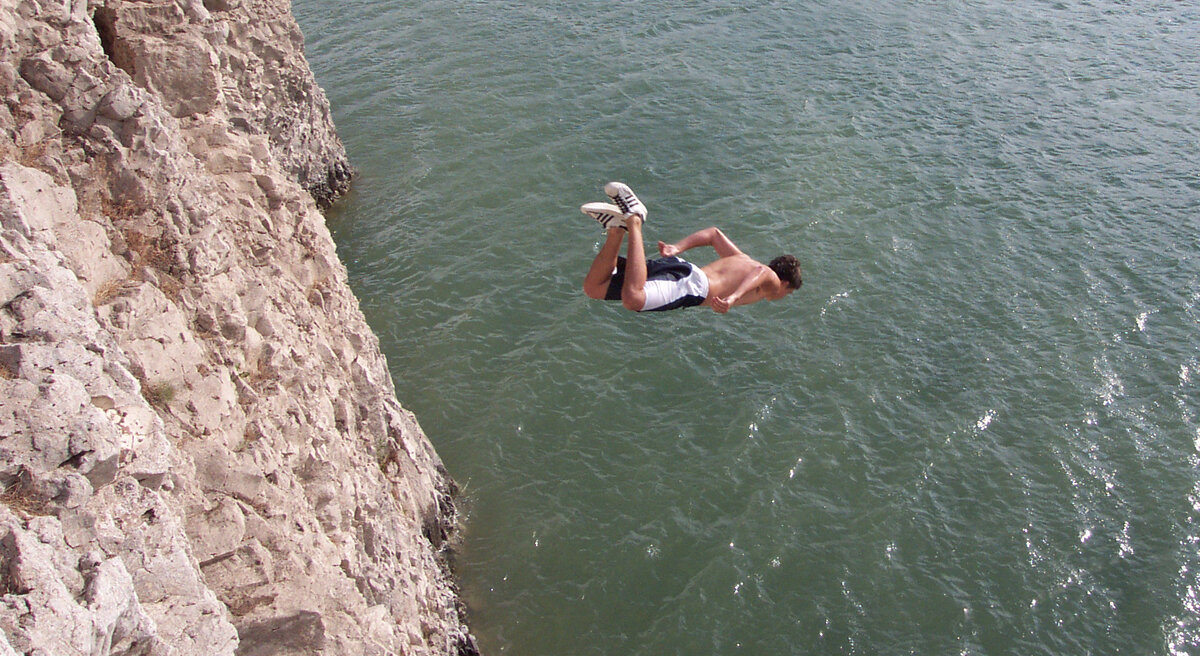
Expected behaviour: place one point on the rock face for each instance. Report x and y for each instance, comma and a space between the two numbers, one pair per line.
201, 451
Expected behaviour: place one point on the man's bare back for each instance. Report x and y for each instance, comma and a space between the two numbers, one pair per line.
734, 278
727, 273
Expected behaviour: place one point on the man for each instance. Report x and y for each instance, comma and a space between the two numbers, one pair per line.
671, 282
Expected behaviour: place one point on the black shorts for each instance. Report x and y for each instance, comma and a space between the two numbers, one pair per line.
671, 283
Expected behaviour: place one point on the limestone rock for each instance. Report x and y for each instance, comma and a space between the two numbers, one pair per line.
201, 451
249, 58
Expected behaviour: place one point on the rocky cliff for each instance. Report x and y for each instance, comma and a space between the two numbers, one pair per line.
201, 451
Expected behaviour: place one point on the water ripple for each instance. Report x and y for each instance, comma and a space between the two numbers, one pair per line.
974, 428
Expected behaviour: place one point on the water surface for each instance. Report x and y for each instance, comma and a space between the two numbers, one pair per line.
974, 430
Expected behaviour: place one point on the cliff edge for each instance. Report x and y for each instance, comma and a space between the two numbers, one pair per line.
201, 451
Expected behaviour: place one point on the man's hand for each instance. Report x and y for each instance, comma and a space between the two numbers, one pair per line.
720, 305
668, 250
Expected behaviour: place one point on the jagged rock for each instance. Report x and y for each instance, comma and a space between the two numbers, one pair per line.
201, 451
250, 59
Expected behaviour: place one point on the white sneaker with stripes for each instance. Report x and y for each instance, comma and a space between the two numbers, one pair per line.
609, 216
623, 197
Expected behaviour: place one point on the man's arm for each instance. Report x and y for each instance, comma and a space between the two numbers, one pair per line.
755, 280
706, 237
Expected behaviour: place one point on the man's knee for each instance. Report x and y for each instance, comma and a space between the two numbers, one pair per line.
633, 302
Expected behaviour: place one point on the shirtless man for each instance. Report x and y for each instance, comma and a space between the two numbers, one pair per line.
666, 284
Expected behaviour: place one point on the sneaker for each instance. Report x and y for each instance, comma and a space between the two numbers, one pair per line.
609, 216
623, 197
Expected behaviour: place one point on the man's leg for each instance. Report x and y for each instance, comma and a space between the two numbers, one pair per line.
633, 292
595, 285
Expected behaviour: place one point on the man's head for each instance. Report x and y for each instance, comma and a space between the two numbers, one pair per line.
787, 268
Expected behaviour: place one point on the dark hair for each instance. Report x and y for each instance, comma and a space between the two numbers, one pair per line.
787, 268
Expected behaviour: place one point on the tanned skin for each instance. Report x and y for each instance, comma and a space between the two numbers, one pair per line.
733, 279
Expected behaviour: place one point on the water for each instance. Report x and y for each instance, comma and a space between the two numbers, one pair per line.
974, 430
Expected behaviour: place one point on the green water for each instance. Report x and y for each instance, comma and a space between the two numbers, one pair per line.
974, 430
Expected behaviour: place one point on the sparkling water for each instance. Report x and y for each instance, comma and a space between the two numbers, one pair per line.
973, 430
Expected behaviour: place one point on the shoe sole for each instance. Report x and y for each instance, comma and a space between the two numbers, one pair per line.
609, 216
